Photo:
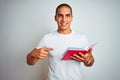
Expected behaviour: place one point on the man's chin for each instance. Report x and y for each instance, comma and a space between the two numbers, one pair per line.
63, 28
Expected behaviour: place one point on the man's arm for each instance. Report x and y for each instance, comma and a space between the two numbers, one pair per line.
37, 54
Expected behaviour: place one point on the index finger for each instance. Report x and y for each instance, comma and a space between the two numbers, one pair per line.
48, 49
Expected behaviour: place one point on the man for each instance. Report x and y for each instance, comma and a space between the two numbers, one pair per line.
54, 45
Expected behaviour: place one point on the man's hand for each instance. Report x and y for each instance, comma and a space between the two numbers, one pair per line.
41, 53
87, 59
37, 54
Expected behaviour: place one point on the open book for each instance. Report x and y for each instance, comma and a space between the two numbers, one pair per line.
70, 51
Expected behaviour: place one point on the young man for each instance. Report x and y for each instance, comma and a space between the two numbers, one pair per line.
54, 45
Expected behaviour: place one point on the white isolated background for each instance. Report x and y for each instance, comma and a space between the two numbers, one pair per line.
24, 22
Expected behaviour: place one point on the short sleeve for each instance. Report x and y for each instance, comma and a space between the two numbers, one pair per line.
41, 44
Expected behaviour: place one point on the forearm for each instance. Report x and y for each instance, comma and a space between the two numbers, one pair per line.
31, 60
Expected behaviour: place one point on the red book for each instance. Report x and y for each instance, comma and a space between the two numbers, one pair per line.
70, 51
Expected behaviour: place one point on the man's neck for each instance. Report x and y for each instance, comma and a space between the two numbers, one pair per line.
68, 31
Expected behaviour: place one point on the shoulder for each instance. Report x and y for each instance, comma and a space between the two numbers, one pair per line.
49, 35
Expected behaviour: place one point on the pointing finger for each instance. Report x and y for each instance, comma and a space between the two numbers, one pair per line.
48, 49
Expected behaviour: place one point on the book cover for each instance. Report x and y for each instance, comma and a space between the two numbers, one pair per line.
70, 51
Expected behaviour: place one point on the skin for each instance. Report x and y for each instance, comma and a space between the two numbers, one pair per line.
63, 18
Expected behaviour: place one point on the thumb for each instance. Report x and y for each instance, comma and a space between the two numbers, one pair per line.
90, 50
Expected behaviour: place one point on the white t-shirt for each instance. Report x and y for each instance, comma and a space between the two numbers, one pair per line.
62, 69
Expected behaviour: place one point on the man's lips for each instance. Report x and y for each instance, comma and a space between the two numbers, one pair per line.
63, 24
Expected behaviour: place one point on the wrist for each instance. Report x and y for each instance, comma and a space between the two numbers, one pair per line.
87, 62
33, 56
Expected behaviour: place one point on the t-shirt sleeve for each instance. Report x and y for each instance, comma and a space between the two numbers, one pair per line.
41, 44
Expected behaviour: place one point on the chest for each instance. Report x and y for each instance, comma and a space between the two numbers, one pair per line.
60, 44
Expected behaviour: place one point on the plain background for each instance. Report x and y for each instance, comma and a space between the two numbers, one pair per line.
24, 22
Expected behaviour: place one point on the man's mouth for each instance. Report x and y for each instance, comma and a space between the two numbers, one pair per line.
63, 23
